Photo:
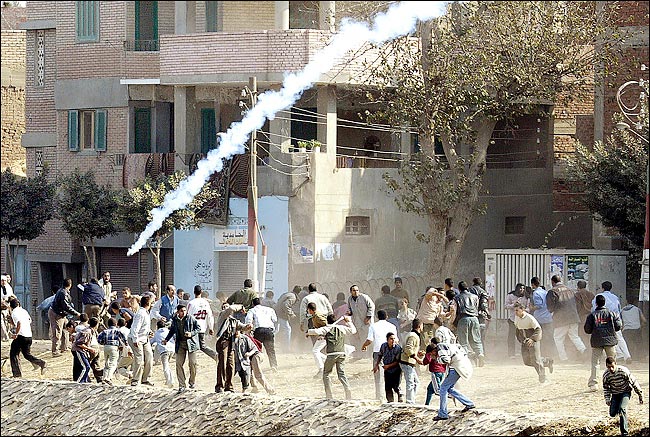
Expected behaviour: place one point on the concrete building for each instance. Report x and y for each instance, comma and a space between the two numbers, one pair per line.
136, 88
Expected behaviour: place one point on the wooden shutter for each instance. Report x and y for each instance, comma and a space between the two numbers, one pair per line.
208, 130
73, 131
100, 130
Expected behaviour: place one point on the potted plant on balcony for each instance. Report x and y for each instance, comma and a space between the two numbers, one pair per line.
308, 146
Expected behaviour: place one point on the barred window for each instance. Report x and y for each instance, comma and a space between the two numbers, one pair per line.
357, 225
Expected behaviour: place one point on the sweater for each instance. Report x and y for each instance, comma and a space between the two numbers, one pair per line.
620, 381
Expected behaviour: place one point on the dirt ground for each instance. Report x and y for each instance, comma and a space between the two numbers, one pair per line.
502, 385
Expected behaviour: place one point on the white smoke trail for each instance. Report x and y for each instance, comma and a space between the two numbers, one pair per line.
399, 20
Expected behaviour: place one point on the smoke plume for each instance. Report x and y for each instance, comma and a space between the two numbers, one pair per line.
399, 20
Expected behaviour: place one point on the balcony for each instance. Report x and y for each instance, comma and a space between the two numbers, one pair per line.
351, 157
141, 59
141, 45
219, 57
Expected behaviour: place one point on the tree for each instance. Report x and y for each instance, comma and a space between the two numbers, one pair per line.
614, 178
87, 211
482, 63
137, 203
26, 205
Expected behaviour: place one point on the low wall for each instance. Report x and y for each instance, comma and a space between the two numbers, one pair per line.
32, 407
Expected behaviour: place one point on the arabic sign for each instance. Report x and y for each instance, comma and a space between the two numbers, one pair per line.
234, 237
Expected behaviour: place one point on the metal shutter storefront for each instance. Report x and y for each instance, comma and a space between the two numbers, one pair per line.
233, 271
124, 269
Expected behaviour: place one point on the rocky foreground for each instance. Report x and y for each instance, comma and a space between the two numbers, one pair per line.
40, 407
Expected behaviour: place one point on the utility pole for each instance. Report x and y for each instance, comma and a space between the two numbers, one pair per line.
252, 188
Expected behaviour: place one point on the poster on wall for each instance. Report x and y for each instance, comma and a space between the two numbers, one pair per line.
577, 270
301, 253
557, 266
328, 251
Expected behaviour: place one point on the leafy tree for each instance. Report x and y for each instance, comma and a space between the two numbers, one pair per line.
137, 203
26, 205
482, 63
614, 177
87, 211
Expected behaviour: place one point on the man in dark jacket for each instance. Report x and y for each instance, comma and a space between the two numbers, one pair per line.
186, 329
602, 324
92, 298
61, 307
227, 327
468, 329
561, 301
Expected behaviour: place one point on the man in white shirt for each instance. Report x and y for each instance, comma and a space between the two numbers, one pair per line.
377, 333
323, 305
362, 310
199, 307
613, 304
22, 340
263, 320
138, 339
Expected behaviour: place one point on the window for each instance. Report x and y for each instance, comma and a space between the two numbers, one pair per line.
211, 16
39, 77
208, 130
515, 225
303, 125
357, 225
146, 26
142, 130
87, 21
87, 130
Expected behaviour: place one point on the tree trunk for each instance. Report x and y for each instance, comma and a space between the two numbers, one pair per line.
89, 270
448, 232
94, 257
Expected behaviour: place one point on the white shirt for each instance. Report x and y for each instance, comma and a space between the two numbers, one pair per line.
19, 314
377, 333
155, 309
612, 302
261, 317
159, 336
444, 335
631, 317
200, 308
140, 327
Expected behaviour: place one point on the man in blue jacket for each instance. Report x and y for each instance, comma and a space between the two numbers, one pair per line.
92, 298
168, 303
186, 329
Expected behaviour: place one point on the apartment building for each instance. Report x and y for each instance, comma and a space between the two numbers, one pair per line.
135, 88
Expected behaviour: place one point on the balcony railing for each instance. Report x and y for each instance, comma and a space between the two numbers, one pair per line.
141, 45
350, 157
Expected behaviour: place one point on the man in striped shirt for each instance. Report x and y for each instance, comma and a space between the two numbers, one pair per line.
618, 383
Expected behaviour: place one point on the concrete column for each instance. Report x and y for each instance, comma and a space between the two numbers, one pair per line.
280, 133
327, 15
326, 104
180, 127
282, 15
180, 17
405, 141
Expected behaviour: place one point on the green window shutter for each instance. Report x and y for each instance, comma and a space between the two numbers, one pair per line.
208, 130
87, 20
142, 119
211, 16
73, 131
100, 130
